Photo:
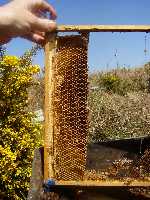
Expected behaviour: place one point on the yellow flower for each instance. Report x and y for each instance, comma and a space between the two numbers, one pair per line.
34, 68
10, 60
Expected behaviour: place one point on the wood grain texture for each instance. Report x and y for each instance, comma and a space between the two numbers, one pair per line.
48, 108
103, 28
108, 183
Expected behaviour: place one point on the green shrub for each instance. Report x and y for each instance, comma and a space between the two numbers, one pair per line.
110, 82
123, 81
19, 134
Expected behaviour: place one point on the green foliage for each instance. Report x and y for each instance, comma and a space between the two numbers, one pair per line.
113, 83
110, 82
19, 133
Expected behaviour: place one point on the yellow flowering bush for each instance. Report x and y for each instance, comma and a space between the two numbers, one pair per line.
110, 82
10, 61
19, 133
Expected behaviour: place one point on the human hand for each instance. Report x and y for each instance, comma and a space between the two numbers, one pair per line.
26, 18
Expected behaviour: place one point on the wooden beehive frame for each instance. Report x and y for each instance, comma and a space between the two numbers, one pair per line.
49, 86
66, 106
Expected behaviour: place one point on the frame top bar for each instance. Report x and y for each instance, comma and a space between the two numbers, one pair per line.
103, 28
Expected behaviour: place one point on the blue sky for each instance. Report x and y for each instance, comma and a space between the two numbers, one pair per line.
102, 46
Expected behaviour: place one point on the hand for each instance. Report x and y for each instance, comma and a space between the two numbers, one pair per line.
26, 18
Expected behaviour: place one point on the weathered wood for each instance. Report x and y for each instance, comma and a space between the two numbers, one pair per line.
36, 181
48, 110
103, 28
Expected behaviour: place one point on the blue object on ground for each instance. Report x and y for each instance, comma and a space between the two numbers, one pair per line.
50, 182
49, 185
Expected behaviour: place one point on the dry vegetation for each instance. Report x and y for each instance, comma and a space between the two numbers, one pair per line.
119, 106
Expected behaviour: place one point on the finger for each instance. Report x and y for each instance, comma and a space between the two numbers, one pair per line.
34, 37
43, 25
49, 8
40, 33
44, 6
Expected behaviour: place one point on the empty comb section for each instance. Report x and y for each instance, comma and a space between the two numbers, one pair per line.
70, 107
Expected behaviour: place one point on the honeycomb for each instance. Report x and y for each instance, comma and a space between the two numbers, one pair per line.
70, 107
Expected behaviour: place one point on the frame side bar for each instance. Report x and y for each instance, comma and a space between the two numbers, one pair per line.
48, 107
